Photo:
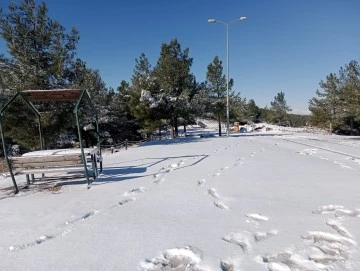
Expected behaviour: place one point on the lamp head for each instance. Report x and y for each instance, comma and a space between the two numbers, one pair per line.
211, 21
242, 18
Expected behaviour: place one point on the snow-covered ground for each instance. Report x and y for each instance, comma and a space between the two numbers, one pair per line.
252, 201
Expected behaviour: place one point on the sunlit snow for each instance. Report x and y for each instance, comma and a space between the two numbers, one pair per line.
273, 198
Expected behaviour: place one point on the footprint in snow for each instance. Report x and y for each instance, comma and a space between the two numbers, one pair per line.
201, 182
336, 225
319, 237
135, 191
216, 174
240, 239
186, 258
40, 240
260, 235
124, 201
227, 265
159, 180
85, 216
332, 247
212, 192
338, 210
342, 165
220, 205
287, 261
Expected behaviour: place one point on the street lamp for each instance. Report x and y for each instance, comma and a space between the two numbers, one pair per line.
227, 64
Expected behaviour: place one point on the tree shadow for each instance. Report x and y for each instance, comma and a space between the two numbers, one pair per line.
178, 140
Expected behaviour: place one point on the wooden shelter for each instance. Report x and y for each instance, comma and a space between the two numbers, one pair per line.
32, 97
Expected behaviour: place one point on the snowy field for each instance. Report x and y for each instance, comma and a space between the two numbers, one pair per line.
280, 201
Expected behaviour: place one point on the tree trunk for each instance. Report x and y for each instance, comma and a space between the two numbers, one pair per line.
219, 118
172, 128
176, 126
330, 128
184, 128
160, 130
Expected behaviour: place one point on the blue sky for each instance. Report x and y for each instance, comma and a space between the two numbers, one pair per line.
285, 45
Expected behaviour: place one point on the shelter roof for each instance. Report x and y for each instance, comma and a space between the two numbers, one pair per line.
54, 95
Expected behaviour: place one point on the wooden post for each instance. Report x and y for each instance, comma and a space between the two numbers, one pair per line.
126, 144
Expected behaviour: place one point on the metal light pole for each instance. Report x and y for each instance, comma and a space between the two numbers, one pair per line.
227, 65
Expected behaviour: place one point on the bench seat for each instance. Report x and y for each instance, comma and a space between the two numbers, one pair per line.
50, 164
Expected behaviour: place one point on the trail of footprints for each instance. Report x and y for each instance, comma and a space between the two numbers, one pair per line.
129, 197
314, 152
239, 161
160, 176
246, 239
324, 248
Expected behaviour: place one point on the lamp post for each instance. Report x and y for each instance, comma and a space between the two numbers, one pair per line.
227, 65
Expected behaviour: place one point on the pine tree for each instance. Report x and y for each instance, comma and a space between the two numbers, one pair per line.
41, 51
280, 108
253, 112
176, 82
144, 100
327, 106
217, 90
350, 83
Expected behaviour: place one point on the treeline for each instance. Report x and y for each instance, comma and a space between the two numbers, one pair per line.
336, 106
42, 55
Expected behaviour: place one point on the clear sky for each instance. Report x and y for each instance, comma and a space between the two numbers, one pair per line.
285, 45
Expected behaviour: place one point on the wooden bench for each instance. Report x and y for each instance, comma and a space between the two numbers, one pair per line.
51, 164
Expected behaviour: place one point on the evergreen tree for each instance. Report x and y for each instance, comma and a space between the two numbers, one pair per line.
327, 106
41, 56
238, 107
82, 77
176, 82
217, 90
144, 102
121, 123
280, 108
350, 83
41, 51
253, 112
